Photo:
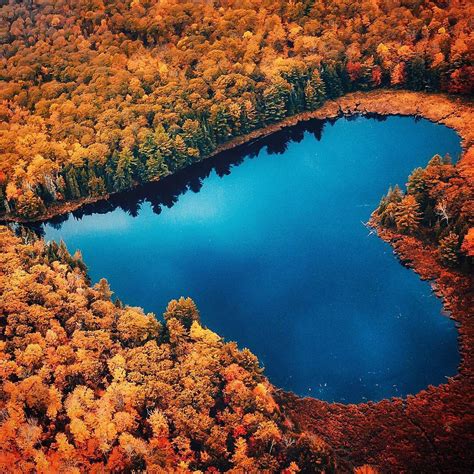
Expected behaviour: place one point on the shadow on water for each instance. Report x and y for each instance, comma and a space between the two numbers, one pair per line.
167, 191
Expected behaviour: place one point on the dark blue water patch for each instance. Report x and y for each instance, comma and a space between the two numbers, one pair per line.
269, 241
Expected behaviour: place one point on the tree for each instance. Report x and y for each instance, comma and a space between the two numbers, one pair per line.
332, 82
416, 185
184, 310
240, 459
29, 205
388, 206
449, 249
468, 243
156, 167
219, 121
134, 327
126, 164
416, 73
314, 92
274, 100
407, 214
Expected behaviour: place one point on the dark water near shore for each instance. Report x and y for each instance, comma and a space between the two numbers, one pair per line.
275, 254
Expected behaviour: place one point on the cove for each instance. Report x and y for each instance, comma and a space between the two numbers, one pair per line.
269, 241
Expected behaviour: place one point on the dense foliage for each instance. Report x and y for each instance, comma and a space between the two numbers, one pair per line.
99, 96
88, 385
438, 207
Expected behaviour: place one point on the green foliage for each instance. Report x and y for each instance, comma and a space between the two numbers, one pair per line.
126, 165
142, 78
314, 92
437, 208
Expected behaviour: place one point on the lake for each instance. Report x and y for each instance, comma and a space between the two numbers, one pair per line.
269, 241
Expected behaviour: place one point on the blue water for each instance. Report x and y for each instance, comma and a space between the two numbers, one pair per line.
269, 242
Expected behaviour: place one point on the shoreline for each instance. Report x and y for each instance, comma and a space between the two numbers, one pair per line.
427, 431
452, 112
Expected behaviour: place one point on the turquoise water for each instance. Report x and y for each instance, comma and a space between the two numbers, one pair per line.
269, 241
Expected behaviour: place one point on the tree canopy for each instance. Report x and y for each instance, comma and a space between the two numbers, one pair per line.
98, 96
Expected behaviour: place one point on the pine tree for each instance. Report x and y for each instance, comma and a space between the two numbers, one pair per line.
449, 249
416, 184
416, 72
219, 122
388, 206
332, 82
97, 186
435, 161
250, 119
156, 167
180, 151
165, 146
407, 214
125, 169
314, 92
72, 190
274, 103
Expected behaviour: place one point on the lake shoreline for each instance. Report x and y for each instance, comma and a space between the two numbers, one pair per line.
452, 112
428, 431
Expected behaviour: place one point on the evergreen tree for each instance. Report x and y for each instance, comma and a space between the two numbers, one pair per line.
407, 215
416, 72
125, 169
332, 82
156, 167
219, 122
180, 152
274, 104
164, 144
250, 117
417, 184
314, 92
147, 148
388, 206
72, 190
97, 186
437, 160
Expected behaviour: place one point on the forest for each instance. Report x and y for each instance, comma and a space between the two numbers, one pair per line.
90, 385
98, 97
438, 208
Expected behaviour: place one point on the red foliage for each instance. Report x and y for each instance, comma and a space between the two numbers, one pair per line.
376, 76
462, 81
354, 69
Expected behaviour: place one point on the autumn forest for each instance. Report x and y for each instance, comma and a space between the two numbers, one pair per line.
100, 97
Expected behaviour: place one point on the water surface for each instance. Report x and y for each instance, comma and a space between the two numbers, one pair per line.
275, 254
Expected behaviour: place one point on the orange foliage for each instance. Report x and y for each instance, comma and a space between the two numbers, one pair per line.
88, 385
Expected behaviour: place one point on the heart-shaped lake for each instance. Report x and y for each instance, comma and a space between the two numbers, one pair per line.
275, 254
